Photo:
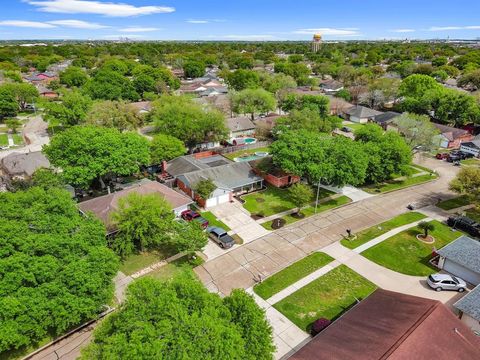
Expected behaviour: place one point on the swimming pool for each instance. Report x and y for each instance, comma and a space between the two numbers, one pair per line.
255, 156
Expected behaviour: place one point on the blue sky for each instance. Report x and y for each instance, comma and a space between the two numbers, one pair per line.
238, 19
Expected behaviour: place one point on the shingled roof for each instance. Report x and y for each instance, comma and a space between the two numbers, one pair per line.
362, 112
19, 164
464, 251
470, 303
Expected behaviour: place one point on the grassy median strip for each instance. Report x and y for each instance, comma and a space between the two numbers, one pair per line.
292, 274
380, 229
398, 184
406, 254
326, 297
454, 203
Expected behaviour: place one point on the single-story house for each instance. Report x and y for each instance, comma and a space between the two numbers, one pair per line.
230, 178
461, 258
46, 92
469, 309
471, 147
45, 77
214, 91
338, 106
240, 126
103, 206
22, 165
394, 326
450, 137
386, 119
331, 86
272, 174
361, 114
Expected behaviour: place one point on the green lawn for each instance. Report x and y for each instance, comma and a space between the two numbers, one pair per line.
239, 153
354, 126
17, 139
175, 268
328, 297
3, 139
469, 162
310, 210
291, 274
473, 214
380, 229
213, 221
137, 262
273, 200
398, 184
454, 203
407, 255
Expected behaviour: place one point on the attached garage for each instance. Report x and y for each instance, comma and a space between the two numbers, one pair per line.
462, 258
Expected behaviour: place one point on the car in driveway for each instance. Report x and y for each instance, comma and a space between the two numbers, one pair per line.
440, 282
464, 223
221, 237
441, 156
190, 215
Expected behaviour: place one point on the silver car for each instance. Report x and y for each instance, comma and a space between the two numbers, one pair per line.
441, 282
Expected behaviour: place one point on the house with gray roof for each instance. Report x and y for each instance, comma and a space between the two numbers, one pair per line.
361, 114
22, 165
461, 258
469, 309
240, 126
386, 119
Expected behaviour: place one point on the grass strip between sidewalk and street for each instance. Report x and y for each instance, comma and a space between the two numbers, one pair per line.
291, 274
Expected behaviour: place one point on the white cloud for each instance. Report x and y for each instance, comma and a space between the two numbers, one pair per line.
123, 36
78, 24
198, 21
401, 31
27, 24
446, 28
329, 31
245, 37
97, 7
134, 29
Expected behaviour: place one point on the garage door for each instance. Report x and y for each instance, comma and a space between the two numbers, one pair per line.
223, 198
462, 272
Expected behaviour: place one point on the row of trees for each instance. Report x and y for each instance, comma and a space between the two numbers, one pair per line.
14, 97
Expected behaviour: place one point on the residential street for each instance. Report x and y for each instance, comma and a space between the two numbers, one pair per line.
240, 267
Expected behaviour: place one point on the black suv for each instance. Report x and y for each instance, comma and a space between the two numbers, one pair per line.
466, 224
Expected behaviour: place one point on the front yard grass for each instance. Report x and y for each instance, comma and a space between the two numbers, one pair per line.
380, 229
454, 203
470, 162
291, 274
17, 139
181, 266
407, 255
239, 153
327, 297
274, 200
473, 214
398, 184
136, 262
310, 210
3, 140
213, 221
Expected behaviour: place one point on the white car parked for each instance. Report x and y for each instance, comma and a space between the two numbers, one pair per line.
440, 282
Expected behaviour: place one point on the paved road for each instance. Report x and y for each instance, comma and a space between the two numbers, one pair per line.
239, 268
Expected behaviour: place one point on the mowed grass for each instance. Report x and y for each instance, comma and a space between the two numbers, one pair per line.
179, 267
327, 297
274, 200
380, 229
213, 221
136, 262
3, 139
291, 274
454, 203
470, 162
398, 184
17, 139
239, 153
473, 214
310, 210
407, 255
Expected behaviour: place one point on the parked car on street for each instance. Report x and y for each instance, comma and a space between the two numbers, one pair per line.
221, 237
439, 282
347, 129
464, 223
190, 215
441, 156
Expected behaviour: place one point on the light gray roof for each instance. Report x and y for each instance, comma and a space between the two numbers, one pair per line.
24, 164
464, 251
362, 112
189, 163
228, 176
240, 123
470, 303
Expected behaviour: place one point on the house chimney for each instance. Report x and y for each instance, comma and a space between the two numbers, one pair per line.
164, 166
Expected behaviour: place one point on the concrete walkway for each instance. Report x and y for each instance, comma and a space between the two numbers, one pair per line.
387, 235
353, 193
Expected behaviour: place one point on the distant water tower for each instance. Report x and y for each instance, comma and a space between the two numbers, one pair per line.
316, 42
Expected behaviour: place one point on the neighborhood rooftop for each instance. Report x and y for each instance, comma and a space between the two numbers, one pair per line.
240, 123
464, 251
362, 112
470, 303
24, 163
190, 163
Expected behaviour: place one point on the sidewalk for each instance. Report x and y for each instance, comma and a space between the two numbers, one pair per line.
353, 193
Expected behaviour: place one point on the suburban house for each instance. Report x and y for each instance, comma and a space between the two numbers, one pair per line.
22, 165
450, 137
361, 114
469, 309
471, 147
46, 92
230, 178
240, 126
338, 106
461, 258
386, 119
390, 325
213, 91
38, 78
331, 86
272, 174
103, 206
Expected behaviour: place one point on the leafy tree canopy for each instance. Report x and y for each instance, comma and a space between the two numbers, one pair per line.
165, 147
115, 114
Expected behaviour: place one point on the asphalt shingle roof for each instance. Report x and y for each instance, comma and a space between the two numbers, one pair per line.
464, 251
470, 303
362, 112
386, 117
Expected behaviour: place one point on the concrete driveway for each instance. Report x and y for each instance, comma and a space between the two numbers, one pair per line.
268, 254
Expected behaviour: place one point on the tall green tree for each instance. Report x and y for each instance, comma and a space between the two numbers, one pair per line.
165, 147
114, 114
193, 69
72, 110
300, 195
467, 182
253, 101
242, 79
110, 85
86, 153
417, 130
73, 76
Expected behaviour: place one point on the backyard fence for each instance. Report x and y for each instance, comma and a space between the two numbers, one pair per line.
231, 149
